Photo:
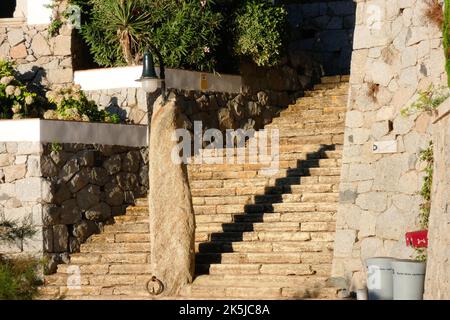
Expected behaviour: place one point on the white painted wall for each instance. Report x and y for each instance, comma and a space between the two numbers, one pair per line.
37, 12
125, 77
46, 131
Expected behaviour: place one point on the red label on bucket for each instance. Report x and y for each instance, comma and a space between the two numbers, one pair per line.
417, 239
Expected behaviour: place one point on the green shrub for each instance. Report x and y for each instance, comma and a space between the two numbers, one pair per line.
189, 38
19, 278
429, 99
259, 30
118, 32
15, 100
18, 275
70, 103
190, 34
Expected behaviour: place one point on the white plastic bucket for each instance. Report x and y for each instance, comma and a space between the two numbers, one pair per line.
379, 278
408, 279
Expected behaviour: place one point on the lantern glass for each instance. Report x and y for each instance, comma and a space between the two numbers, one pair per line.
150, 85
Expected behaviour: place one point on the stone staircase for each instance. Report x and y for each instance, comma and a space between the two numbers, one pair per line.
257, 236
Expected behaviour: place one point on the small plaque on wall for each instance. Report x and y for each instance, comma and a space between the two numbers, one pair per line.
385, 146
203, 82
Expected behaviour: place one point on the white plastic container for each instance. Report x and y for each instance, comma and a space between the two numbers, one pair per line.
379, 278
408, 279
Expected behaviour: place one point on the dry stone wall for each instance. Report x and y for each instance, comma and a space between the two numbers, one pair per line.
70, 191
437, 285
41, 59
396, 53
323, 31
215, 109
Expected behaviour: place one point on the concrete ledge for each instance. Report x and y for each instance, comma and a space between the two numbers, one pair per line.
47, 131
442, 111
125, 77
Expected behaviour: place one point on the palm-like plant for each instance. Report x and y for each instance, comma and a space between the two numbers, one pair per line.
130, 23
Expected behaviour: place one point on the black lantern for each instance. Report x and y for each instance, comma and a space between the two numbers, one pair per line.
149, 79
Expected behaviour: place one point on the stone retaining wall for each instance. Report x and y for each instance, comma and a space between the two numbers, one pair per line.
69, 191
323, 30
437, 283
215, 109
41, 59
392, 59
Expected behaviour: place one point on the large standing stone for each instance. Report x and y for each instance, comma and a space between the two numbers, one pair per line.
171, 212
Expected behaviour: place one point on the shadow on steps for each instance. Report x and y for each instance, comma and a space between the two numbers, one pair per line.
221, 242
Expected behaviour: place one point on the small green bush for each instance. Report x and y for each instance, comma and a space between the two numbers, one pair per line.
70, 103
19, 278
15, 100
429, 99
259, 29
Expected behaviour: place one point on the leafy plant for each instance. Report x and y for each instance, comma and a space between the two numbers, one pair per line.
11, 230
446, 35
429, 99
19, 278
70, 103
55, 147
117, 32
15, 100
259, 29
425, 156
18, 275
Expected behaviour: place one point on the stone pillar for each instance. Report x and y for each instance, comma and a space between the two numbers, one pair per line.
172, 223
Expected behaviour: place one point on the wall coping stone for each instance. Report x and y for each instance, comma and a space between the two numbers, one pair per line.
125, 77
49, 131
442, 111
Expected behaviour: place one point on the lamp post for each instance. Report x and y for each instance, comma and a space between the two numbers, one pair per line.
149, 80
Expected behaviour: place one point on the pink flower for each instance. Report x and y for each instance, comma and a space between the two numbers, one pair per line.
203, 3
206, 50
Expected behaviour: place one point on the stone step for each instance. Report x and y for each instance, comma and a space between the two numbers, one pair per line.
137, 211
99, 247
282, 149
283, 164
132, 219
321, 91
335, 79
256, 280
261, 247
284, 269
286, 194
257, 292
306, 132
333, 118
266, 207
141, 227
114, 258
313, 216
108, 280
275, 236
106, 268
325, 139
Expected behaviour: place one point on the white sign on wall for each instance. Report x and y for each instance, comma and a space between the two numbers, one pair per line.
385, 146
38, 12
